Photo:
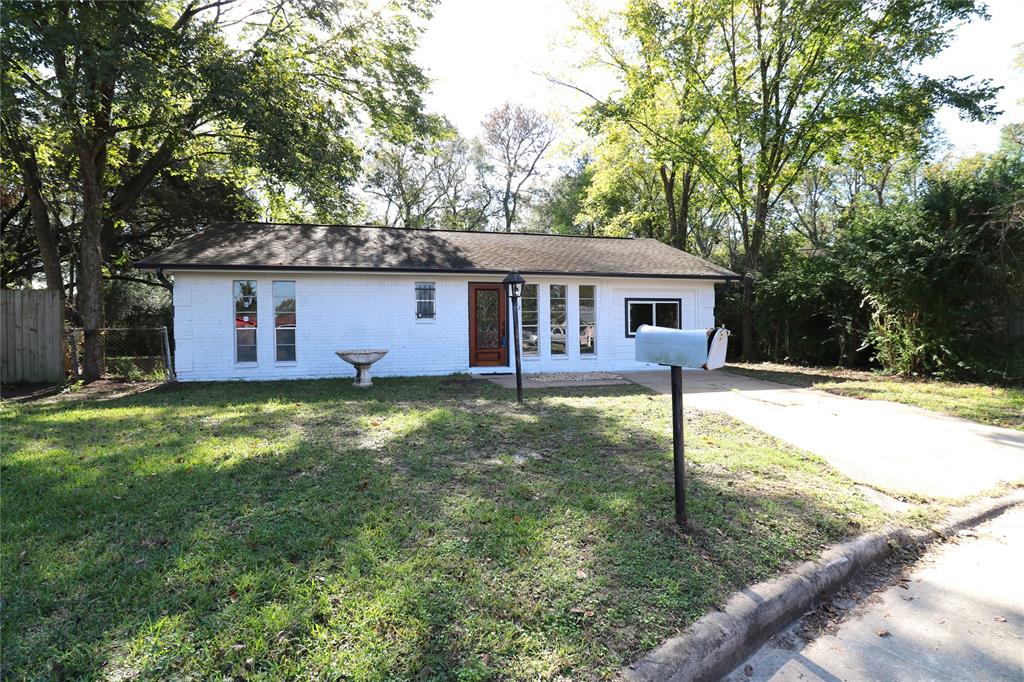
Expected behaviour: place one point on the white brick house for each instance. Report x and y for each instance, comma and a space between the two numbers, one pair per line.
268, 301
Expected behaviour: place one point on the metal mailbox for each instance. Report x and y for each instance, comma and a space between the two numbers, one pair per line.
689, 348
679, 348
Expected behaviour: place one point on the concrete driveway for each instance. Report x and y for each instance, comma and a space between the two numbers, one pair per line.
890, 446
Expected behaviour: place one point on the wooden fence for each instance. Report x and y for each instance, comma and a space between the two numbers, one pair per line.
31, 336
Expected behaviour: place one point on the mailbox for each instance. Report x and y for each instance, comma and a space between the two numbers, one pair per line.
690, 348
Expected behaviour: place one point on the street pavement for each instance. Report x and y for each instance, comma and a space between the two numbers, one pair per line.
958, 615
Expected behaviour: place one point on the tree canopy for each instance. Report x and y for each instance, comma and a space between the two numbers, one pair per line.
103, 98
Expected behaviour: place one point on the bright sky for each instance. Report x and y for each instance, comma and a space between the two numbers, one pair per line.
482, 53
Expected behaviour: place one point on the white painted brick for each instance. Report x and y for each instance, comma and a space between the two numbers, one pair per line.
346, 311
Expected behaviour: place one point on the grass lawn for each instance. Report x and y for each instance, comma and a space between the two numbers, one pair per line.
427, 529
996, 405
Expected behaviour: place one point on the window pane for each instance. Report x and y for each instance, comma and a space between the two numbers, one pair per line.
531, 331
245, 320
558, 305
487, 319
640, 313
286, 337
425, 299
285, 353
284, 296
668, 315
246, 354
245, 296
531, 340
588, 317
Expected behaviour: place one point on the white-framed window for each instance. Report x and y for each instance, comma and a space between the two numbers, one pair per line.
245, 304
660, 312
588, 319
284, 320
531, 323
557, 305
426, 308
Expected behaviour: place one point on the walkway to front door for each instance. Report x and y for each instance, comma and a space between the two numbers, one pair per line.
488, 342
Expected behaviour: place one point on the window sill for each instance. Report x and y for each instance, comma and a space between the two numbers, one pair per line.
285, 363
426, 320
247, 365
588, 356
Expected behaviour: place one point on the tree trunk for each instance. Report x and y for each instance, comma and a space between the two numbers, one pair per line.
752, 261
90, 283
24, 156
43, 229
668, 184
747, 324
683, 221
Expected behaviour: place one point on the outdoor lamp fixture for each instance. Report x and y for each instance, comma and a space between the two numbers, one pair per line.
514, 287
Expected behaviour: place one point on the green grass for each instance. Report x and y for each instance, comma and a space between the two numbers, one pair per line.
427, 529
996, 405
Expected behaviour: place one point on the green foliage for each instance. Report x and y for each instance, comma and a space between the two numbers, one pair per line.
559, 207
140, 121
747, 95
938, 273
804, 309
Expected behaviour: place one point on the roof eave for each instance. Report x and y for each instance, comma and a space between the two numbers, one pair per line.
723, 277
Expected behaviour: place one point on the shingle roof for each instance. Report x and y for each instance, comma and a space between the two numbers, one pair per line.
246, 246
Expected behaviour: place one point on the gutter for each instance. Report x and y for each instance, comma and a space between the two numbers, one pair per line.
450, 271
163, 278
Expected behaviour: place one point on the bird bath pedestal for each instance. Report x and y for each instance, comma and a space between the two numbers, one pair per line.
361, 360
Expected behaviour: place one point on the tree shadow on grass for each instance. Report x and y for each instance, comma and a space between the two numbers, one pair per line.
427, 528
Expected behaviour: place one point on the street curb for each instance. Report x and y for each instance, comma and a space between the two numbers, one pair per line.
721, 640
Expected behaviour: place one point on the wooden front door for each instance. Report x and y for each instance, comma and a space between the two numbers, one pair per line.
488, 342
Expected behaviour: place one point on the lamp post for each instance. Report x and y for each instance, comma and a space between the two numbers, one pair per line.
514, 286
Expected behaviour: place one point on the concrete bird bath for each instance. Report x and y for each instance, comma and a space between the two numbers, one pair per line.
361, 360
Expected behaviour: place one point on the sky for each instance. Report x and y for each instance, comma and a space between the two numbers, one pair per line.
482, 53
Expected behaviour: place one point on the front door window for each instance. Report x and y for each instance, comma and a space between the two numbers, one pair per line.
487, 332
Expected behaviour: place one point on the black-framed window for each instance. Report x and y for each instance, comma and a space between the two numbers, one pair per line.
245, 320
425, 301
284, 320
660, 312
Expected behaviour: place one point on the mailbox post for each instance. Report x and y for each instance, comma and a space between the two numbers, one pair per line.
679, 348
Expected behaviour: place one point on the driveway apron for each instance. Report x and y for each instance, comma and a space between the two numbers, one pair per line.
885, 445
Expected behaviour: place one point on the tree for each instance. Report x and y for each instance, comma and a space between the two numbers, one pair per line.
437, 183
661, 112
462, 171
516, 138
937, 271
116, 93
779, 83
559, 207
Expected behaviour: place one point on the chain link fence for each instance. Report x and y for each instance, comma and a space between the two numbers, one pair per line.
135, 354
